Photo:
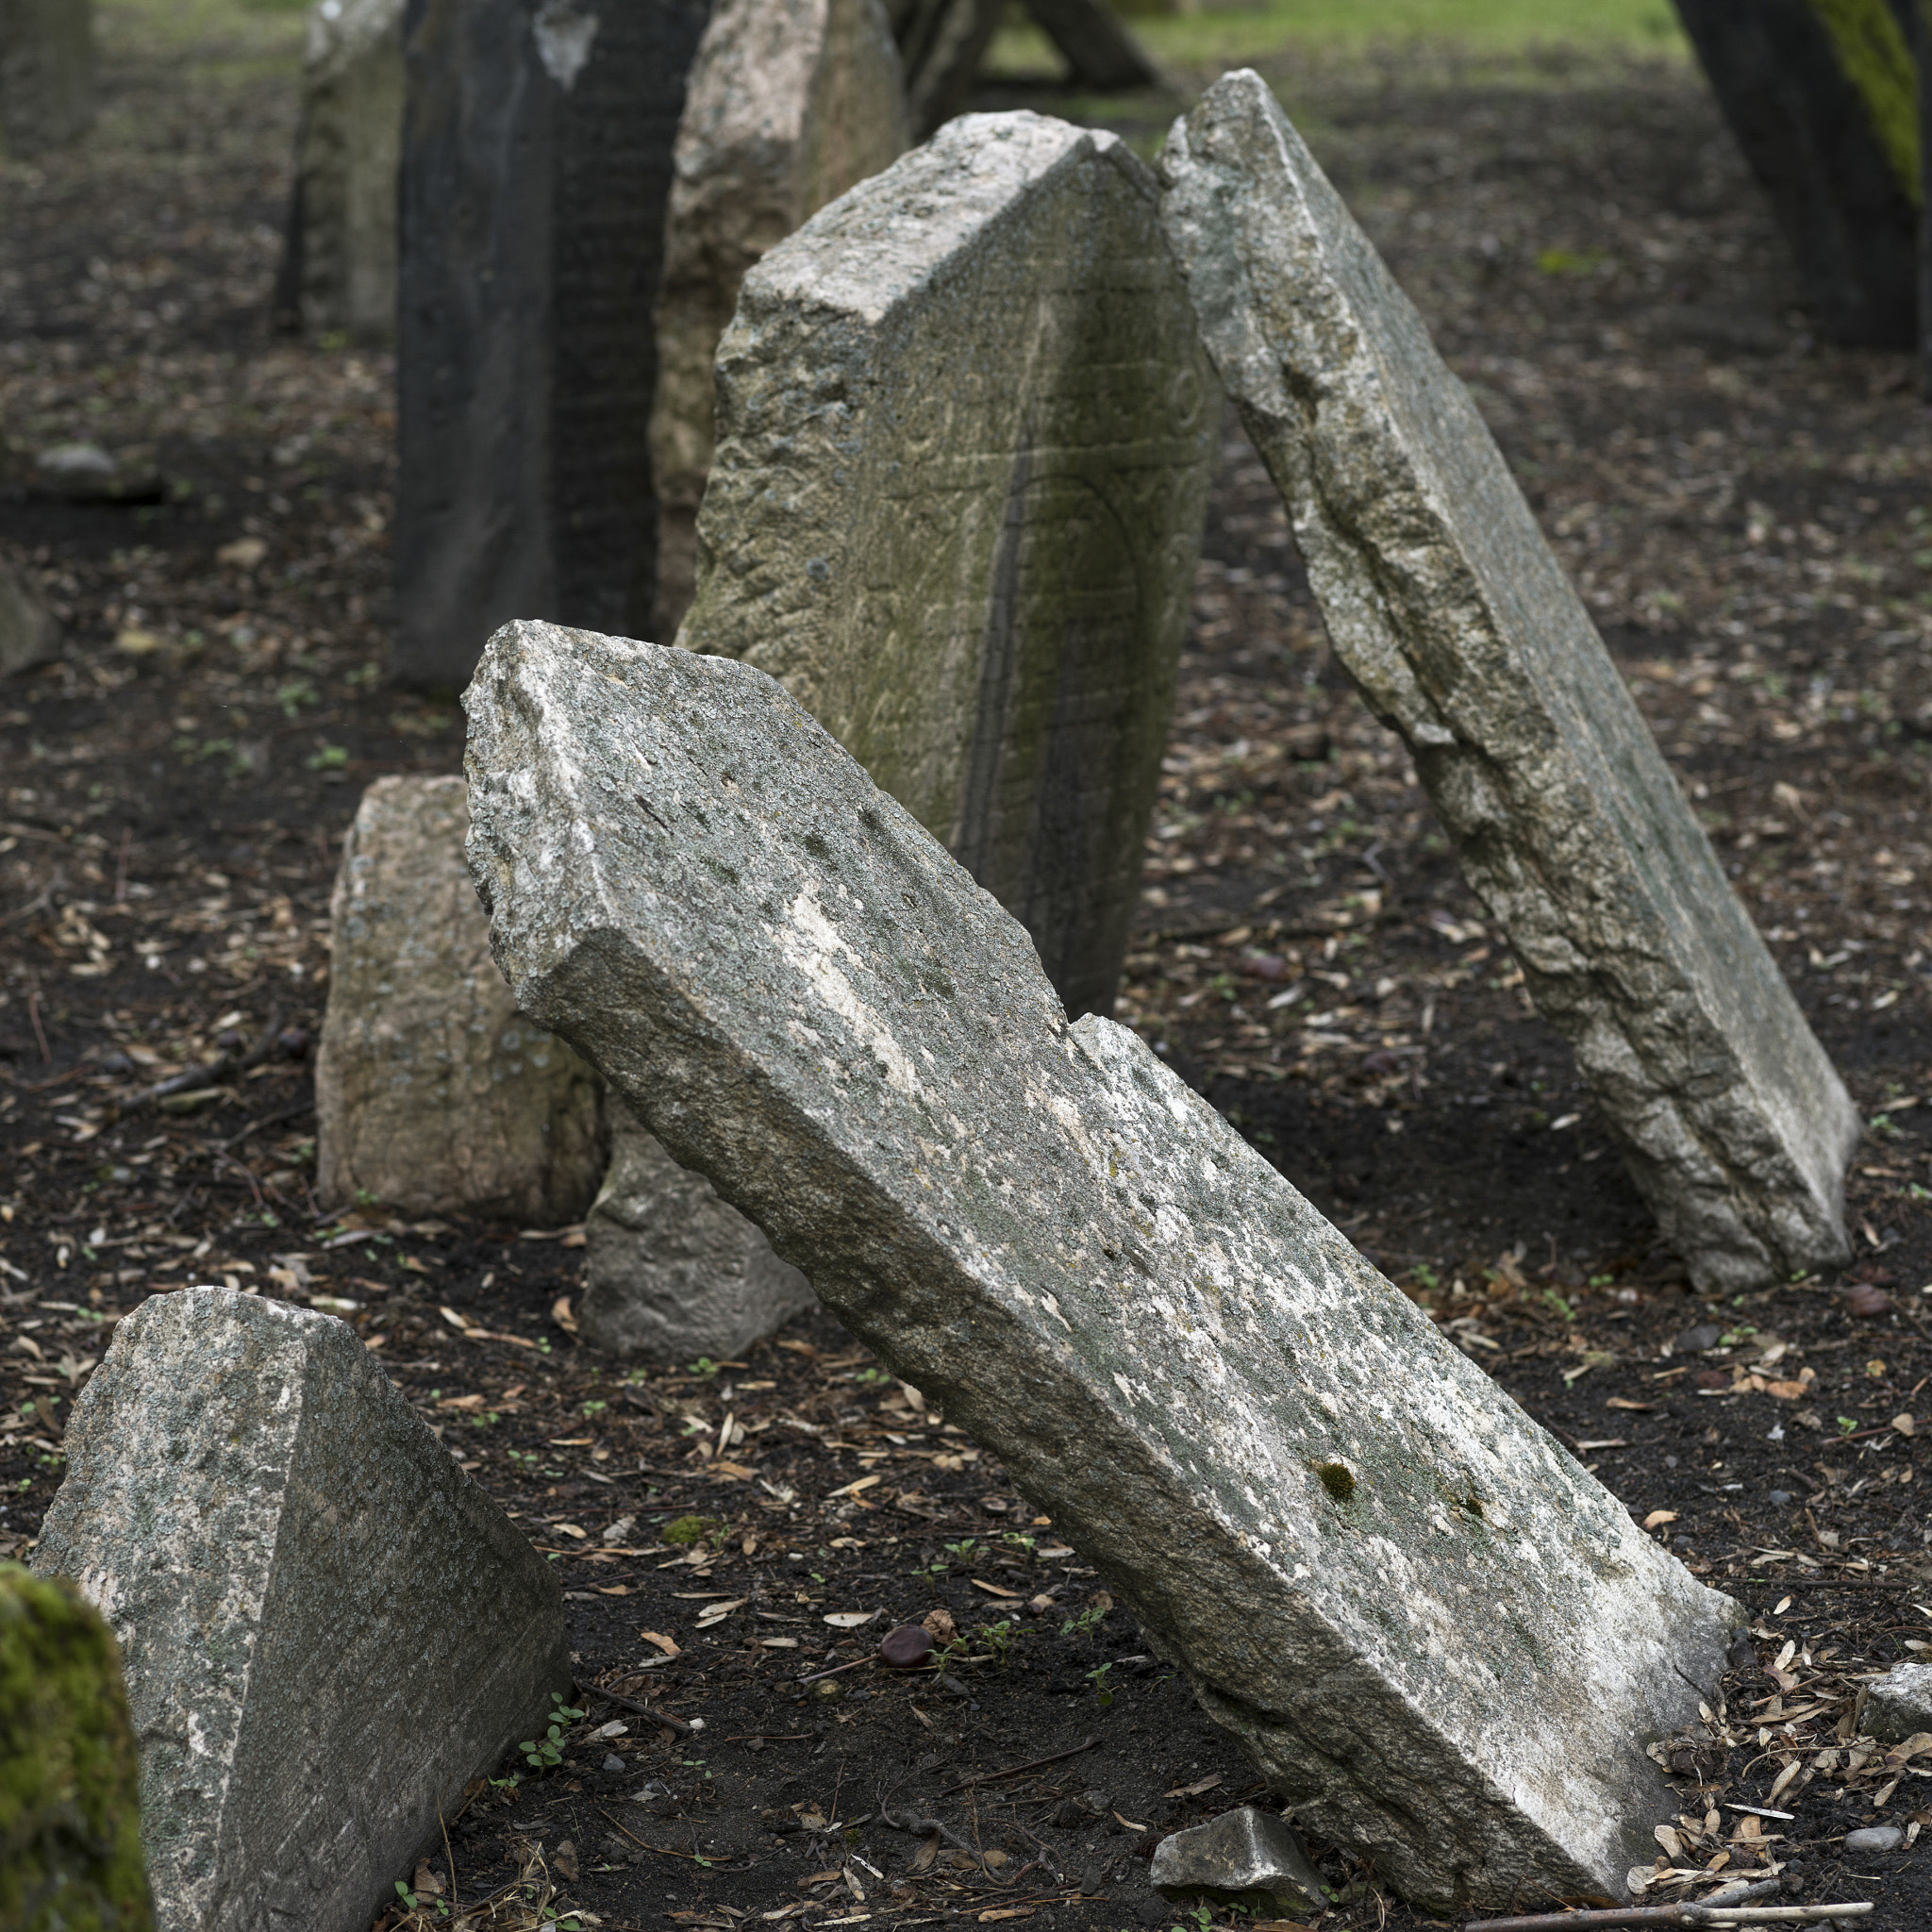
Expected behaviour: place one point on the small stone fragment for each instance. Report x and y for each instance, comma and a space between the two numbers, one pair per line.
1695, 1341
328, 1629
433, 1094
70, 1813
47, 74
614, 1763
1865, 1302
1899, 1705
1875, 1838
1455, 621
28, 633
1248, 1857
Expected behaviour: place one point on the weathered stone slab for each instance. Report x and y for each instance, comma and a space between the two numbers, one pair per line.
671, 1271
28, 633
338, 264
1438, 1638
787, 104
1462, 633
1821, 97
328, 1628
70, 1810
1900, 1704
536, 167
965, 431
1245, 1857
433, 1094
47, 74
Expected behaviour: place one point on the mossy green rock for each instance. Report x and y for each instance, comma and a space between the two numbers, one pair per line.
69, 1818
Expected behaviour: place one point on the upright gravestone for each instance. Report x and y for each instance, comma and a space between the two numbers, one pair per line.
1314, 1504
790, 102
338, 264
1462, 633
965, 432
47, 74
1821, 98
328, 1628
536, 167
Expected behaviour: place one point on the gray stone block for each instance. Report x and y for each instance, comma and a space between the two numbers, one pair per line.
327, 1628
1899, 1705
1244, 1857
1441, 1639
1461, 631
671, 1271
788, 104
537, 143
29, 634
47, 74
965, 432
433, 1094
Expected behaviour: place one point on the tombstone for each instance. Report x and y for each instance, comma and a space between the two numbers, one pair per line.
536, 166
338, 264
47, 74
1462, 633
433, 1094
67, 1765
1315, 1505
965, 435
1921, 49
1821, 96
28, 633
328, 1628
790, 102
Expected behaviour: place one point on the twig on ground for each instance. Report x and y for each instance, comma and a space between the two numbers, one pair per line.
984, 1777
218, 1071
910, 1820
1727, 1908
671, 1723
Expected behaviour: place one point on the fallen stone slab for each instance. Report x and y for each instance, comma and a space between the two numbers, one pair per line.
47, 74
788, 102
1245, 1857
328, 1628
671, 1271
1899, 1705
965, 434
1442, 1641
29, 634
433, 1094
1822, 97
68, 1767
1461, 631
536, 163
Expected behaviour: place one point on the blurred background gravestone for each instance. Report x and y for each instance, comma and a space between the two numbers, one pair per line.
47, 74
339, 261
789, 102
29, 634
537, 147
1822, 97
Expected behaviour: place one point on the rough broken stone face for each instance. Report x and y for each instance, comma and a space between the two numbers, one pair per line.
432, 1093
339, 269
1232, 1858
1900, 1704
327, 1628
47, 74
1461, 632
536, 168
671, 1271
1439, 1638
28, 633
965, 431
790, 102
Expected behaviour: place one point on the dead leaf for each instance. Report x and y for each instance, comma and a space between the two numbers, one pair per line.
1624, 1402
1659, 1516
1194, 1791
666, 1644
923, 1858
849, 1620
427, 1880
561, 1314
565, 1858
995, 1589
1904, 1425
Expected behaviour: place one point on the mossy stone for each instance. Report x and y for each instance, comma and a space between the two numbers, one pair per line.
70, 1814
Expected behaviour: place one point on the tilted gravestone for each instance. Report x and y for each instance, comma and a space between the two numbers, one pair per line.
1439, 1638
788, 102
338, 262
536, 167
1821, 98
328, 1628
70, 1813
47, 74
965, 431
433, 1094
1461, 631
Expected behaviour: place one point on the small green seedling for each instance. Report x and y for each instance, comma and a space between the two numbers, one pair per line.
1098, 1678
542, 1753
1085, 1624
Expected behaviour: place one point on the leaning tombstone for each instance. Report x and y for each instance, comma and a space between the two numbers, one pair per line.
979, 380
1317, 1506
328, 1628
1822, 97
47, 74
1461, 631
70, 1813
536, 166
433, 1094
790, 102
339, 261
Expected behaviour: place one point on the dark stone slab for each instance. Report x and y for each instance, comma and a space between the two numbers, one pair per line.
47, 74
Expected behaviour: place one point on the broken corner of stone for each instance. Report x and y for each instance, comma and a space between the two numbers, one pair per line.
1462, 631
327, 1628
1442, 1643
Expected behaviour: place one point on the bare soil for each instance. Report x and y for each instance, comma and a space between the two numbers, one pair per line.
1744, 508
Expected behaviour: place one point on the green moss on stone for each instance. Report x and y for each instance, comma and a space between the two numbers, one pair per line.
69, 1821
1337, 1479
686, 1529
1873, 53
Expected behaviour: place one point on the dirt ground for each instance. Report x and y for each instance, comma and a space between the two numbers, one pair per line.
1746, 513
